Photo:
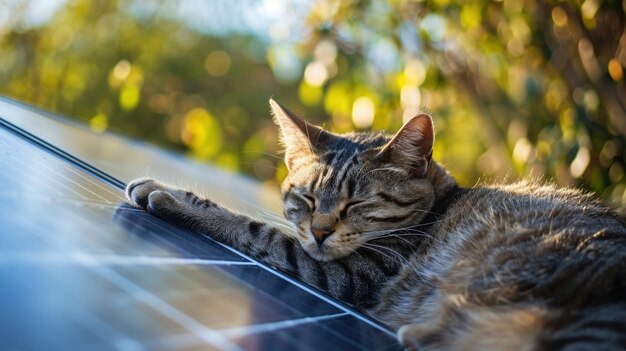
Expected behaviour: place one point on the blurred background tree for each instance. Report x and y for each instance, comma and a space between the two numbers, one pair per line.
516, 88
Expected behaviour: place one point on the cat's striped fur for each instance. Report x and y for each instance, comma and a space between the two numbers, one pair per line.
383, 227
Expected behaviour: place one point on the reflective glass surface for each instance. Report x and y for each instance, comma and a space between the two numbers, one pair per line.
79, 269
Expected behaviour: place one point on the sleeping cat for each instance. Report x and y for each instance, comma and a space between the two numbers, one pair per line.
383, 227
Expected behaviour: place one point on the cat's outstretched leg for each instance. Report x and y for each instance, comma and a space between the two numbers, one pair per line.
186, 209
353, 279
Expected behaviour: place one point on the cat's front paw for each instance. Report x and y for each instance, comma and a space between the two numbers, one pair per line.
153, 196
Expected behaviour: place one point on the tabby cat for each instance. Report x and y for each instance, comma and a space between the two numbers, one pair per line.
380, 225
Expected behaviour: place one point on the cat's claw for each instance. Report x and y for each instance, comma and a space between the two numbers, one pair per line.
138, 191
152, 196
160, 201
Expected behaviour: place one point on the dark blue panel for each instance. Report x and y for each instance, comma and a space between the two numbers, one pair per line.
82, 270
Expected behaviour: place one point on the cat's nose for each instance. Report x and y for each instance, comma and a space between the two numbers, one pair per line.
320, 234
323, 225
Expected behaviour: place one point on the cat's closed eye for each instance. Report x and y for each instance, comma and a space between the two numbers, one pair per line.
310, 199
306, 199
344, 211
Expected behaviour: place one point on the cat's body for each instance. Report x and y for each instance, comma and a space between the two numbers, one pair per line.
383, 227
521, 266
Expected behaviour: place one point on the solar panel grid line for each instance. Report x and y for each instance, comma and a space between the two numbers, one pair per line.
61, 199
40, 181
315, 293
57, 173
53, 176
236, 332
117, 195
187, 340
211, 336
77, 220
36, 228
105, 331
285, 305
134, 302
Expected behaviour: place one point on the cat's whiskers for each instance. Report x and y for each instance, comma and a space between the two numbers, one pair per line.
426, 223
263, 153
273, 218
372, 248
412, 230
396, 255
264, 210
274, 168
404, 240
407, 231
285, 225
421, 235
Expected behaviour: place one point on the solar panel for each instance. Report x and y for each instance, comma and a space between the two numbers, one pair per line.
81, 270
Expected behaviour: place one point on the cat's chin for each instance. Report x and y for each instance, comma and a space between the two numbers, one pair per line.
324, 253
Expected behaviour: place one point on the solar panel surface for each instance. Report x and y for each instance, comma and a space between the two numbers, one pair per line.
81, 270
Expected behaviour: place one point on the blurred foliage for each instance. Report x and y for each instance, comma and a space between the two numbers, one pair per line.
516, 88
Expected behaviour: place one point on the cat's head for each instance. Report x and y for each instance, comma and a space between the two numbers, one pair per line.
345, 190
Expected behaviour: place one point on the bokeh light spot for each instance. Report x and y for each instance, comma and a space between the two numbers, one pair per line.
363, 111
580, 162
615, 70
309, 94
315, 74
559, 17
129, 97
590, 8
326, 52
122, 70
217, 63
522, 150
201, 132
98, 123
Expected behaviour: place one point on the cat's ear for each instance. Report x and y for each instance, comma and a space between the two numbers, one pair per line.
300, 138
412, 146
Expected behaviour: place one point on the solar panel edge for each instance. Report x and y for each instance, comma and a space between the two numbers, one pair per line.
86, 167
